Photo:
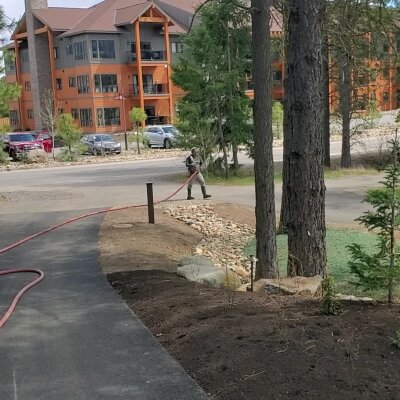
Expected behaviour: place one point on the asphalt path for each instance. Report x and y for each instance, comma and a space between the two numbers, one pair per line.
72, 337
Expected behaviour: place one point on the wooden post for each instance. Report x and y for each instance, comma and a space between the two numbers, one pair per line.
150, 202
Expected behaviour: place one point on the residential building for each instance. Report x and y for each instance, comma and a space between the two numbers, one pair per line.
104, 60
100, 62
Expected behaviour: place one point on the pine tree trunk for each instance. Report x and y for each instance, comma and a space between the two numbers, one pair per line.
283, 217
221, 138
326, 105
304, 155
235, 157
345, 109
263, 137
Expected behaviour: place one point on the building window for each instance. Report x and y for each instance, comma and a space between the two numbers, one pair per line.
85, 117
277, 76
385, 96
105, 83
24, 56
14, 118
27, 86
82, 82
30, 114
58, 84
103, 49
108, 117
71, 81
80, 50
69, 49
75, 113
56, 54
177, 47
9, 61
373, 96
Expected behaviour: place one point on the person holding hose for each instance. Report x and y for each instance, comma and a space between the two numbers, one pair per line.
193, 164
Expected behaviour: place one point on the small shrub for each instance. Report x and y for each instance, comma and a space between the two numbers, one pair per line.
330, 305
382, 268
72, 154
4, 157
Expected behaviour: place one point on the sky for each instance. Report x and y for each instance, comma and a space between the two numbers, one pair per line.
16, 8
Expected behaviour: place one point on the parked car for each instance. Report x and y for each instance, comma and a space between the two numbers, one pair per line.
45, 139
19, 143
161, 135
97, 144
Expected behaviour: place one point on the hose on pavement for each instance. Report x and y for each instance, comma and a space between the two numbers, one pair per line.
18, 296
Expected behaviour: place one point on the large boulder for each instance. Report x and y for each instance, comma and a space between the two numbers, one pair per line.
210, 275
289, 286
196, 260
36, 157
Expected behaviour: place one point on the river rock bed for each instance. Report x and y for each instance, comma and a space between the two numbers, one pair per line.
223, 240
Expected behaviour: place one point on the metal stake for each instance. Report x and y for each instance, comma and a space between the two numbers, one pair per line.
150, 202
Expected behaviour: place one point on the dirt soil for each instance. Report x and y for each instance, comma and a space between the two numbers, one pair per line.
263, 347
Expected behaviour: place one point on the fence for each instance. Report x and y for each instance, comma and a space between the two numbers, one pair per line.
4, 122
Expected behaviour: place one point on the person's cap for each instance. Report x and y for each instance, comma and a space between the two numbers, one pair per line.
194, 150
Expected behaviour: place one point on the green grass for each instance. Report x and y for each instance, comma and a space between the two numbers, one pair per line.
338, 258
245, 176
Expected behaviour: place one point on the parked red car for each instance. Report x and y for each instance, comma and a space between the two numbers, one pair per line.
44, 138
19, 143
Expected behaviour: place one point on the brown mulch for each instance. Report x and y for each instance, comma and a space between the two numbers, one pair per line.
266, 347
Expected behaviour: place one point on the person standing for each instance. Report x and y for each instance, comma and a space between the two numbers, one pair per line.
193, 164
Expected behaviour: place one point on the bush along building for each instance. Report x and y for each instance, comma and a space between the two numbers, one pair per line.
100, 62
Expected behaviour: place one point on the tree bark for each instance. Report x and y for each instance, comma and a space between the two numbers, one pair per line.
263, 158
304, 148
326, 103
221, 138
345, 108
235, 152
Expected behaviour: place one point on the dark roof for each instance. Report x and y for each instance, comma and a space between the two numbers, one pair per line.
109, 15
60, 18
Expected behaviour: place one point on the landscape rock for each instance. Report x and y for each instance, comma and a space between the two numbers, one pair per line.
196, 260
36, 157
290, 286
210, 276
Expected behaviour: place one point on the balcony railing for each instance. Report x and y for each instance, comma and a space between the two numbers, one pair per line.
147, 55
149, 89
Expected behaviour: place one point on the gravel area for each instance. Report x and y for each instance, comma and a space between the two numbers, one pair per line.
130, 155
223, 240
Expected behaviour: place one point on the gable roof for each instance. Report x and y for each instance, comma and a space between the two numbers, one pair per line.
127, 15
60, 18
109, 15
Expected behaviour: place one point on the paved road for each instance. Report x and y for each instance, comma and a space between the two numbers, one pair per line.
100, 186
72, 337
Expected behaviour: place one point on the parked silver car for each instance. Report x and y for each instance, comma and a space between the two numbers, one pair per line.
160, 135
97, 144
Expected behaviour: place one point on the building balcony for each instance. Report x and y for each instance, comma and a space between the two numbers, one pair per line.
147, 56
149, 89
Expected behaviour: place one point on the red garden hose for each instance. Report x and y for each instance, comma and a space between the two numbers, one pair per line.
13, 304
